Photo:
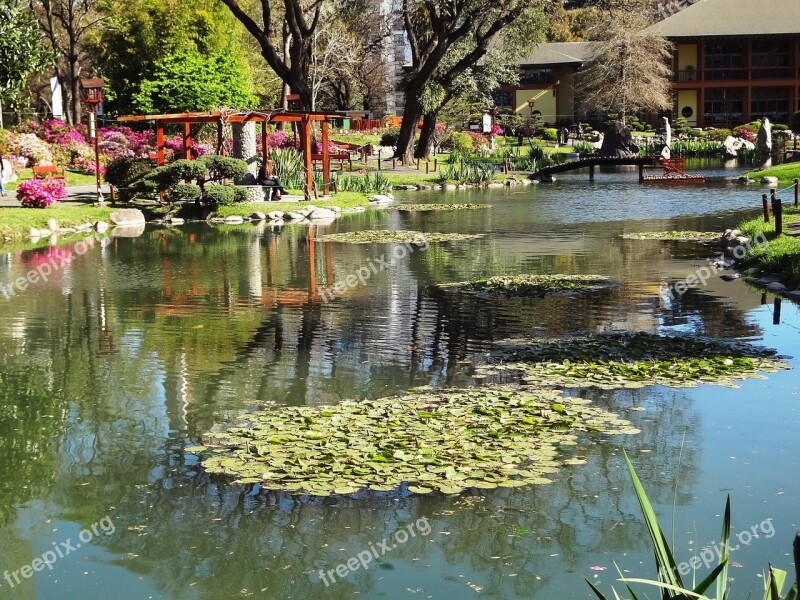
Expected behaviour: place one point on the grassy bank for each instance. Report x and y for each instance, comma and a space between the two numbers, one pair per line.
15, 223
785, 172
782, 254
73, 178
343, 200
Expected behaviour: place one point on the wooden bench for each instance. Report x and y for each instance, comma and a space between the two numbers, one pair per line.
51, 171
340, 156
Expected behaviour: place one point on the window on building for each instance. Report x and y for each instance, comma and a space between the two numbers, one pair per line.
771, 59
533, 75
772, 103
504, 100
723, 106
724, 61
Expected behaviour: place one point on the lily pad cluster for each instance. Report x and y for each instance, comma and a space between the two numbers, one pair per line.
440, 207
619, 360
429, 440
530, 285
385, 236
678, 236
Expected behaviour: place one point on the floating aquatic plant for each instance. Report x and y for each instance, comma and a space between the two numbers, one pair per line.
384, 236
623, 360
440, 207
429, 440
679, 236
530, 285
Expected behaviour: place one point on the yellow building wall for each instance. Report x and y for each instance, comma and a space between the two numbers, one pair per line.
546, 104
687, 56
688, 98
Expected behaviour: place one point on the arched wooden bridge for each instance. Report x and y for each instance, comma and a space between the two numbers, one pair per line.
546, 173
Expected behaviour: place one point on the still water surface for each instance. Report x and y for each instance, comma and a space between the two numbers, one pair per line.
113, 367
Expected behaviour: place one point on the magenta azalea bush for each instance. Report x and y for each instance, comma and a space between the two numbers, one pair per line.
40, 193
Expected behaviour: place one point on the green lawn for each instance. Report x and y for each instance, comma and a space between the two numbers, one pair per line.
343, 200
785, 172
16, 222
73, 178
782, 254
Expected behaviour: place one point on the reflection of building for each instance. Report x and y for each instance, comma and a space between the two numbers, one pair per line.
734, 61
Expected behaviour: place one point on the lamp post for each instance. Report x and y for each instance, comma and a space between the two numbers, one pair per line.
93, 96
531, 104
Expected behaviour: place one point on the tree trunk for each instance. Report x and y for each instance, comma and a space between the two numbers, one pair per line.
411, 115
425, 141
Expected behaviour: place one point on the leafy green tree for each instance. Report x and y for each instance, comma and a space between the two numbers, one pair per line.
22, 53
191, 81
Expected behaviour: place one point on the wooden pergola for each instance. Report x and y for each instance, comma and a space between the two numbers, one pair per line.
221, 118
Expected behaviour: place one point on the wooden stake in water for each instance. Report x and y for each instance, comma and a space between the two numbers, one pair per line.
796, 191
777, 210
765, 207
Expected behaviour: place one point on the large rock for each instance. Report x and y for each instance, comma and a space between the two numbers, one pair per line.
380, 199
764, 137
127, 216
128, 231
769, 180
322, 213
275, 215
258, 216
618, 142
234, 220
294, 216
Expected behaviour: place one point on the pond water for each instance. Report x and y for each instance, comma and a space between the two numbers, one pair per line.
134, 348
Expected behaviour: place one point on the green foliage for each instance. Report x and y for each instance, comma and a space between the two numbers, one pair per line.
191, 81
459, 141
752, 127
21, 51
287, 164
183, 191
123, 171
550, 134
369, 183
468, 173
219, 168
390, 137
584, 147
220, 195
718, 135
174, 173
240, 194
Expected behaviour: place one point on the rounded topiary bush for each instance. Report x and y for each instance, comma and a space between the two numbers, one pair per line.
717, 135
123, 171
220, 195
183, 191
219, 168
550, 134
390, 138
459, 141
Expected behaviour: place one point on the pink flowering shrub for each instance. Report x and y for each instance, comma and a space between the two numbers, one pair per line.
58, 132
747, 135
479, 139
174, 148
116, 142
497, 130
30, 146
40, 193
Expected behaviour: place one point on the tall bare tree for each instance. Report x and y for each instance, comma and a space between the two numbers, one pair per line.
65, 24
630, 69
301, 18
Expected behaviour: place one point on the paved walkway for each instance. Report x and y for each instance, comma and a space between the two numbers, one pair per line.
82, 194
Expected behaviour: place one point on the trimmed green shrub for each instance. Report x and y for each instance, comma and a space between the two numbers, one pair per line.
752, 126
123, 171
459, 141
390, 138
221, 195
718, 135
240, 194
222, 167
177, 172
550, 134
183, 191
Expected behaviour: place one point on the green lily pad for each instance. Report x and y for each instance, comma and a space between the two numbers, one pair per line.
678, 236
439, 207
530, 285
385, 236
430, 440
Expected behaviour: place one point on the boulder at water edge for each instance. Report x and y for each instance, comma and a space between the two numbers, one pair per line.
127, 216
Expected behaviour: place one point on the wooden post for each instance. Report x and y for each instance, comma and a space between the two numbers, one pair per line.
765, 207
417, 164
187, 141
264, 149
305, 150
379, 160
797, 539
427, 167
777, 210
591, 172
796, 191
776, 313
159, 144
394, 163
434, 165
326, 161
641, 172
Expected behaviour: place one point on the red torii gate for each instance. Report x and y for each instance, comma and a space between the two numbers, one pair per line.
304, 119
